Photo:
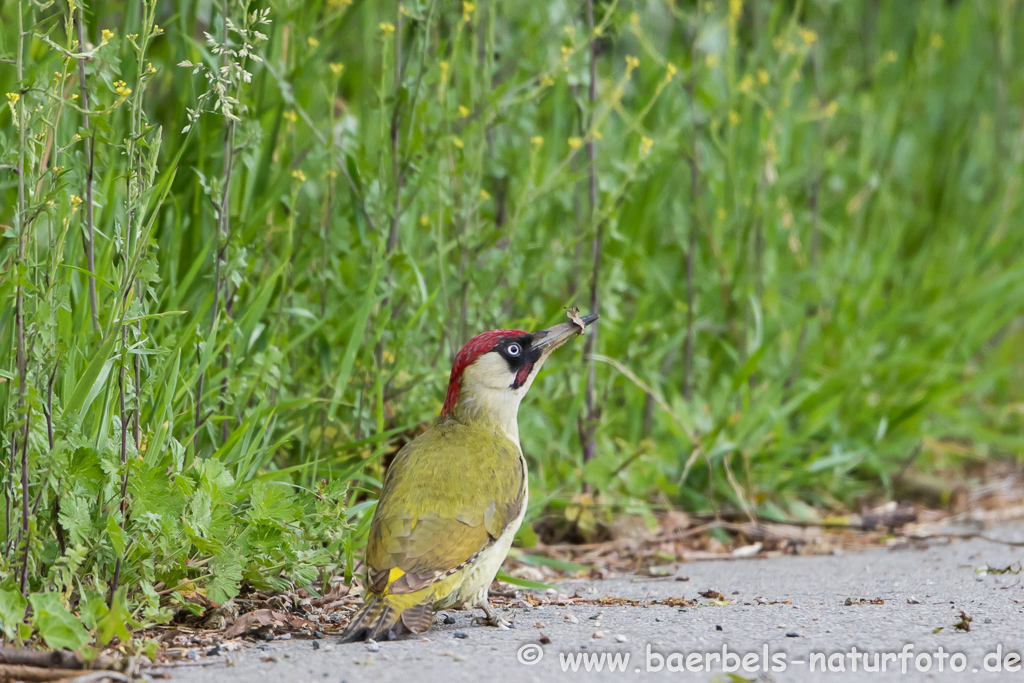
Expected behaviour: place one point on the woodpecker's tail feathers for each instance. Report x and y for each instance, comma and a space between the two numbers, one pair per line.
418, 619
372, 622
379, 619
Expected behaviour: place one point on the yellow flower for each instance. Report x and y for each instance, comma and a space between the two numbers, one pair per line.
299, 175
313, 42
387, 28
575, 143
12, 99
632, 62
467, 11
807, 35
537, 141
634, 18
150, 69
597, 134
106, 35
711, 61
746, 83
891, 57
157, 30
721, 214
645, 145
76, 201
290, 116
670, 71
463, 111
566, 52
546, 81
831, 109
122, 89
734, 117
936, 41
330, 173
763, 77
484, 194
457, 142
424, 220
336, 68
735, 10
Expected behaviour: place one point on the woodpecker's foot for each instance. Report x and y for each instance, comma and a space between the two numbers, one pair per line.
492, 618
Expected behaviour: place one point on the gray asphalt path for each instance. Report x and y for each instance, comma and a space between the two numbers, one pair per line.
923, 590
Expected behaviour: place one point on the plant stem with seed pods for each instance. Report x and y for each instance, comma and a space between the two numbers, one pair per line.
90, 153
588, 433
19, 308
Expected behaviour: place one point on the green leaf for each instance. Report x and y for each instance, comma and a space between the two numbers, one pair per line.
91, 381
227, 577
523, 583
75, 518
355, 340
114, 622
116, 534
58, 627
12, 612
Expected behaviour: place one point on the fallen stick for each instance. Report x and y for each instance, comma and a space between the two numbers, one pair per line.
47, 659
35, 674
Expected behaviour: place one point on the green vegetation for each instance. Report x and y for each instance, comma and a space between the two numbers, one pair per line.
238, 255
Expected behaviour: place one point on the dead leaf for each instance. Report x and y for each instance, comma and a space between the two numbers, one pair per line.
265, 617
965, 622
574, 315
748, 550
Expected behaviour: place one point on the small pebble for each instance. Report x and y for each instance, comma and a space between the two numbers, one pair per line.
267, 635
571, 619
598, 634
316, 644
657, 618
988, 620
620, 638
215, 650
319, 634
285, 636
448, 619
979, 578
792, 634
373, 645
262, 647
718, 627
461, 634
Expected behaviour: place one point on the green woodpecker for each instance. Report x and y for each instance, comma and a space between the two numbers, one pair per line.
455, 496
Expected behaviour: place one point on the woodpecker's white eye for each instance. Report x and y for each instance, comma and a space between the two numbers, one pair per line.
513, 350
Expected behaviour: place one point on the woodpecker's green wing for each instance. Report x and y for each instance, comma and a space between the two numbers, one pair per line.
448, 495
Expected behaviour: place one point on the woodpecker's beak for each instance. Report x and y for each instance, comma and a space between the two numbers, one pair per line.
550, 339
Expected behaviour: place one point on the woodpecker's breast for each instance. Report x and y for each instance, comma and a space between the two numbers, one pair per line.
481, 571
